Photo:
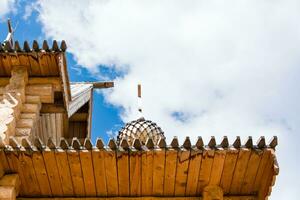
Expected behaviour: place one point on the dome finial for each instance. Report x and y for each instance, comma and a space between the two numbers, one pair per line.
140, 100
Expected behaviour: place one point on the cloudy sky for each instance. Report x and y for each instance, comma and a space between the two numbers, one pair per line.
206, 67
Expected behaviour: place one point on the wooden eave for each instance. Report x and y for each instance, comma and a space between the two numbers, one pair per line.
81, 169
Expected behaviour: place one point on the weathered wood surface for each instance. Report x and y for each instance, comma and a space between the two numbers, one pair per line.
83, 170
38, 61
144, 198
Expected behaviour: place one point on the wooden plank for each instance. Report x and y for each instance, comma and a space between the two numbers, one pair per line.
181, 172
266, 182
4, 162
79, 117
88, 172
205, 171
27, 168
42, 59
145, 198
135, 173
147, 172
6, 64
240, 169
59, 126
159, 156
41, 173
64, 172
251, 171
76, 173
123, 172
44, 91
15, 167
111, 173
99, 170
170, 172
52, 171
217, 167
24, 61
193, 175
34, 65
52, 108
229, 166
14, 60
260, 172
53, 67
52, 127
2, 69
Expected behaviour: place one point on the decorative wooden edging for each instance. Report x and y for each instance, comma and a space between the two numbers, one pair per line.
141, 170
35, 47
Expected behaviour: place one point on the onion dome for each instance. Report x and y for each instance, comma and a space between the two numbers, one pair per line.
140, 129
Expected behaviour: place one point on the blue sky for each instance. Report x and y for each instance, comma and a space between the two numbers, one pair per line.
219, 67
105, 116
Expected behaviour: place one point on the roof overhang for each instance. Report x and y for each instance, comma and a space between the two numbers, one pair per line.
155, 170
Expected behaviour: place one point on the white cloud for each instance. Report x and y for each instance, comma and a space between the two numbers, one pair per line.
6, 6
207, 67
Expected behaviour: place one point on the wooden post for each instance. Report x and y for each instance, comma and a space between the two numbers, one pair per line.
212, 192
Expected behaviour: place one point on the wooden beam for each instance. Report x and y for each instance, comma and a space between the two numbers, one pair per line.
55, 81
7, 193
79, 117
99, 85
143, 198
11, 180
44, 91
52, 108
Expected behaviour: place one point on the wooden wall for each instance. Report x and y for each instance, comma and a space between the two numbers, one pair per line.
50, 125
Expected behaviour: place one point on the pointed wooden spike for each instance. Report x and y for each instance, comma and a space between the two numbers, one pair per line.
261, 143
26, 46
14, 143
99, 143
137, 144
162, 143
35, 45
274, 142
76, 143
175, 143
63, 46
64, 144
124, 144
150, 143
112, 144
17, 46
199, 143
51, 144
39, 144
212, 143
187, 143
45, 45
26, 144
55, 46
88, 144
225, 142
249, 143
237, 142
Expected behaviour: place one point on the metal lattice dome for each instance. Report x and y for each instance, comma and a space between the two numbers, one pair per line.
140, 129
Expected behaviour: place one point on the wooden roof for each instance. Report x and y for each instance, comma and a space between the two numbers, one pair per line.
82, 169
40, 59
81, 93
